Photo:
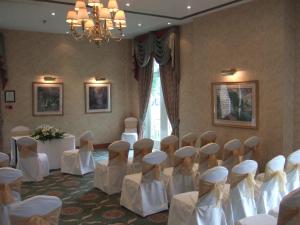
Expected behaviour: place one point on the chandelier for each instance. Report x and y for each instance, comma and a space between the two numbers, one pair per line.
97, 25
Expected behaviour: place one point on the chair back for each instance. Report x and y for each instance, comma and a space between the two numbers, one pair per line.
208, 155
208, 137
27, 147
275, 170
184, 160
169, 145
189, 139
251, 147
293, 161
213, 181
151, 166
38, 210
4, 160
86, 141
289, 210
131, 124
245, 171
118, 153
141, 148
235, 154
10, 181
20, 131
292, 169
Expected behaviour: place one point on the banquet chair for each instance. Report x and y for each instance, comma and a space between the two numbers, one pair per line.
289, 213
109, 175
145, 193
241, 202
34, 165
140, 148
79, 161
180, 178
208, 137
273, 188
169, 145
4, 160
130, 134
37, 210
20, 131
189, 139
235, 153
207, 157
10, 188
293, 171
251, 148
203, 207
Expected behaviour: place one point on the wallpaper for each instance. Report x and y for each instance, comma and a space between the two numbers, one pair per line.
30, 55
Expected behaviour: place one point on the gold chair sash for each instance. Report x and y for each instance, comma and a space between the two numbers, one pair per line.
140, 153
188, 143
290, 166
206, 187
86, 145
116, 158
150, 172
6, 191
27, 151
51, 218
4, 163
183, 166
281, 175
20, 133
169, 150
207, 141
236, 178
255, 152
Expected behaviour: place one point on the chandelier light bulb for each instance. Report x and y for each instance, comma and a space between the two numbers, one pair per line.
94, 3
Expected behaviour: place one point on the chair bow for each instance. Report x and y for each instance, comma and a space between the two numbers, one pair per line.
27, 151
6, 191
281, 175
150, 172
184, 166
86, 145
236, 178
169, 150
290, 166
117, 158
217, 189
4, 163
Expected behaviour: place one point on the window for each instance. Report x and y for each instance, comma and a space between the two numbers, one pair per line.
157, 124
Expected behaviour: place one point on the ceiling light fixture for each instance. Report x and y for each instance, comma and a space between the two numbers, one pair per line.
96, 27
127, 4
189, 7
169, 23
53, 13
229, 72
139, 24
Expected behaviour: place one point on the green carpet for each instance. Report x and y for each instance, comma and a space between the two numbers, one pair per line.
83, 204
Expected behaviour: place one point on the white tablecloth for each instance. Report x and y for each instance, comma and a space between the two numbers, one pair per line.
53, 149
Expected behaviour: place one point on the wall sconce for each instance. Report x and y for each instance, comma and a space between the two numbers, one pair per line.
49, 78
100, 78
228, 72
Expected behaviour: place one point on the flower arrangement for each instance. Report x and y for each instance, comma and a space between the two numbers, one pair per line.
47, 133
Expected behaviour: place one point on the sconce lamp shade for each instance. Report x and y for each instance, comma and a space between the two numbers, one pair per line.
83, 14
89, 24
109, 25
71, 16
120, 17
95, 3
104, 14
228, 72
113, 5
80, 4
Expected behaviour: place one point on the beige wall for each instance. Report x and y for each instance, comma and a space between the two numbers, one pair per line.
258, 39
31, 54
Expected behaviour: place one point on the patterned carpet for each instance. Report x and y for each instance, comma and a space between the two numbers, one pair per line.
83, 204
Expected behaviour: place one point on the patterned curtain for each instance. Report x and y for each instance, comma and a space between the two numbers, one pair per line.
3, 73
162, 45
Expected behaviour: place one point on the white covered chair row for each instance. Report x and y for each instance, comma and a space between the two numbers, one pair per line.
79, 161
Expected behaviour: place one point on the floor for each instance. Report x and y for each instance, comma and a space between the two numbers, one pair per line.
83, 204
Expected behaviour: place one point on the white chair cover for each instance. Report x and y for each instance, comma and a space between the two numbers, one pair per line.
144, 193
169, 145
260, 219
35, 166
109, 175
20, 131
38, 210
130, 134
235, 154
203, 207
10, 187
274, 187
293, 171
4, 160
79, 161
141, 148
251, 147
208, 137
189, 139
241, 202
180, 179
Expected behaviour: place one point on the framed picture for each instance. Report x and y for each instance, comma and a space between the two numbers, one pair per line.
9, 96
47, 99
97, 97
235, 104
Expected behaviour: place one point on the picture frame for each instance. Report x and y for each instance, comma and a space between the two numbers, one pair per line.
97, 97
47, 99
235, 104
9, 96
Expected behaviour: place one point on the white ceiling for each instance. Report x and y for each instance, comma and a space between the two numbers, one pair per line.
29, 14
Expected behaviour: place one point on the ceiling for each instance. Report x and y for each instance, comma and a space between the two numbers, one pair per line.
35, 15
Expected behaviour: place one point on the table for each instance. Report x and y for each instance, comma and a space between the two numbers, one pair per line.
54, 149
